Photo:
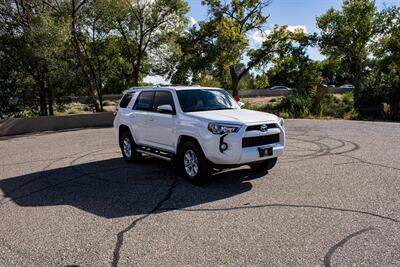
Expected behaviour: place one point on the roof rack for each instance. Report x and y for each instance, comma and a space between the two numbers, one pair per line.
132, 89
156, 86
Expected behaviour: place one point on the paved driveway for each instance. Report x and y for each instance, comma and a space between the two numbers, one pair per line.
67, 198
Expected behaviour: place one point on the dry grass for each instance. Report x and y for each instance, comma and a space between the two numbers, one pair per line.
75, 108
261, 100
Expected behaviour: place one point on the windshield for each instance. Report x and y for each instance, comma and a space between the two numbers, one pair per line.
205, 99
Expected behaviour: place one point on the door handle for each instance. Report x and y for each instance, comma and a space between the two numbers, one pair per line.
151, 119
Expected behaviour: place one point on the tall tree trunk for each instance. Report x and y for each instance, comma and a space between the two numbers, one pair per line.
356, 70
356, 94
74, 36
136, 68
234, 88
42, 99
50, 101
135, 74
138, 61
99, 90
234, 81
100, 97
83, 57
357, 86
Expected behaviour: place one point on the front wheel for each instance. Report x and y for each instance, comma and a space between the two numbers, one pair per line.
265, 165
194, 165
128, 147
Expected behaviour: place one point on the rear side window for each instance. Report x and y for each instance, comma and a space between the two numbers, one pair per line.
144, 101
162, 98
125, 100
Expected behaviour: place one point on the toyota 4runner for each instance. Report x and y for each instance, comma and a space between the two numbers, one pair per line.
201, 128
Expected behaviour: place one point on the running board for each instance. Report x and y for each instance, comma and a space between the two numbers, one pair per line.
156, 153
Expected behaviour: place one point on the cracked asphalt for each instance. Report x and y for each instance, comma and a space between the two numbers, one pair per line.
68, 198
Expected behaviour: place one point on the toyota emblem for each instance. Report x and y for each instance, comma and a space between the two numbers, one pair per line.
264, 128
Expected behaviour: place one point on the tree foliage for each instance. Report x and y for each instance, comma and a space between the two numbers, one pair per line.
345, 38
56, 48
387, 54
227, 32
50, 49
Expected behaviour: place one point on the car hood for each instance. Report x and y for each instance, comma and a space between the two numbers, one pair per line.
235, 116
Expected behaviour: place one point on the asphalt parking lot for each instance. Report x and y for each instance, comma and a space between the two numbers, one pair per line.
68, 198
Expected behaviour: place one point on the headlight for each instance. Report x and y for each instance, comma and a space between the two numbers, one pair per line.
218, 128
281, 122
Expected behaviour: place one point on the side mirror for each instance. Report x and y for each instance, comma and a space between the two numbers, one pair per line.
241, 104
165, 109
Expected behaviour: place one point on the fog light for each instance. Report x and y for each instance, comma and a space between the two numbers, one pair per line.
223, 147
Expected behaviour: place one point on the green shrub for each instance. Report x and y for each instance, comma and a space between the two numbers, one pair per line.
298, 106
348, 99
316, 103
270, 108
351, 115
284, 115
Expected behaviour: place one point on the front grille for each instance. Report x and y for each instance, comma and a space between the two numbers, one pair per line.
257, 127
260, 140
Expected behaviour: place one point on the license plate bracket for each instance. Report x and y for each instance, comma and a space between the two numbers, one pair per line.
265, 151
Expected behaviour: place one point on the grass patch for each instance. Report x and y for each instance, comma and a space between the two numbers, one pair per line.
74, 108
316, 103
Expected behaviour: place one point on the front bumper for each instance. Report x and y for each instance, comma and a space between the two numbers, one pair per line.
235, 153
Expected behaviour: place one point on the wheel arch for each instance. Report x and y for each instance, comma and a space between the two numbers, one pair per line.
124, 128
186, 138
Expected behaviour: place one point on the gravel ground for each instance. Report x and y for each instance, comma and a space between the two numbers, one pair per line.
67, 198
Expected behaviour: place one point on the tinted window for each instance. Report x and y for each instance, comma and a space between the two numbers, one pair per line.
125, 100
205, 99
163, 98
144, 101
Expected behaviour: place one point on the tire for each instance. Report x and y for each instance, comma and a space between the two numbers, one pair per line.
128, 148
265, 165
193, 164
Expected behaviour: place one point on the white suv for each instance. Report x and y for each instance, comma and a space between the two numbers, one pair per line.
202, 128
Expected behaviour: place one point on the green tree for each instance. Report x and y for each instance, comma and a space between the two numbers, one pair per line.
386, 50
193, 61
345, 36
292, 66
147, 27
96, 51
228, 29
332, 73
32, 39
117, 74
95, 32
260, 81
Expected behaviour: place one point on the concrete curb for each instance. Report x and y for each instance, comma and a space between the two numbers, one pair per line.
54, 123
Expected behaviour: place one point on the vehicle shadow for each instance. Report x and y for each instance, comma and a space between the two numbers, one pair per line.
112, 189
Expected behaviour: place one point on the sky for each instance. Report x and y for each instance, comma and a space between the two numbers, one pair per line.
294, 13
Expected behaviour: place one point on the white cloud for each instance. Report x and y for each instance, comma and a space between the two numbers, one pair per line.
192, 21
258, 37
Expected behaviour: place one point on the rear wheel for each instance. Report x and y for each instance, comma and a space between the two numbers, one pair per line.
128, 147
265, 165
193, 164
